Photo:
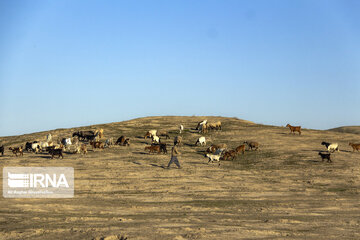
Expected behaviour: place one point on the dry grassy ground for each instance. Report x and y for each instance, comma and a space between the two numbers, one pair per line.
282, 191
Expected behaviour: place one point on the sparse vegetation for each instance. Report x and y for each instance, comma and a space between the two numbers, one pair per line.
282, 189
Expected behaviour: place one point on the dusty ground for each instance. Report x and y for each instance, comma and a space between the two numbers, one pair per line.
283, 191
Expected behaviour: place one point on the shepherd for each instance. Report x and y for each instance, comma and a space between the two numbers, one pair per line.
174, 159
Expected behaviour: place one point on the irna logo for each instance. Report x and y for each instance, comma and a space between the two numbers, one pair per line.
38, 182
16, 180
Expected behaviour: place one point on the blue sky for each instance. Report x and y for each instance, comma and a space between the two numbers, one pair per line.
76, 63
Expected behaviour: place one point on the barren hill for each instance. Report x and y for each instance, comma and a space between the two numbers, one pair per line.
283, 190
347, 129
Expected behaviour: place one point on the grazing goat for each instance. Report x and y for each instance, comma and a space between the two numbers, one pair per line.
203, 128
163, 134
2, 150
155, 139
331, 147
48, 137
84, 135
252, 145
120, 140
219, 151
123, 141
325, 156
49, 148
150, 133
109, 142
181, 128
16, 150
97, 145
177, 140
153, 148
201, 141
127, 142
56, 152
216, 125
201, 123
29, 146
213, 157
83, 149
162, 147
42, 146
73, 148
355, 146
213, 148
66, 142
35, 147
229, 155
294, 129
240, 148
100, 132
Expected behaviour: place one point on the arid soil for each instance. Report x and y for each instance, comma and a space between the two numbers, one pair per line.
281, 191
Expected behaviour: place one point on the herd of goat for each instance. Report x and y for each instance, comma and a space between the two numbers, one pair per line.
80, 141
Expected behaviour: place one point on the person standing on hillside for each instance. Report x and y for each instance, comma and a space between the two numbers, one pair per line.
174, 159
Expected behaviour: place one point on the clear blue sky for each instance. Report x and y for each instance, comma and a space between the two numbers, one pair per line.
75, 63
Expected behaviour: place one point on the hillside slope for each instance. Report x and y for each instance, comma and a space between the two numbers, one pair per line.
281, 191
347, 129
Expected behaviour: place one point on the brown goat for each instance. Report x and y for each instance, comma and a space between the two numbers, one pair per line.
153, 148
252, 145
163, 134
214, 147
215, 125
162, 147
203, 128
355, 146
240, 148
16, 150
83, 149
56, 152
97, 145
294, 129
229, 155
123, 141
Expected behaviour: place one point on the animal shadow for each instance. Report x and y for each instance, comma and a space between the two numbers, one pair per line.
47, 157
142, 153
345, 151
315, 161
189, 144
155, 165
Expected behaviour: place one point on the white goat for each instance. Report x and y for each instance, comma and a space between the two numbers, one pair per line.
43, 145
203, 122
213, 157
153, 132
181, 128
201, 141
66, 142
333, 147
155, 139
35, 147
48, 137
